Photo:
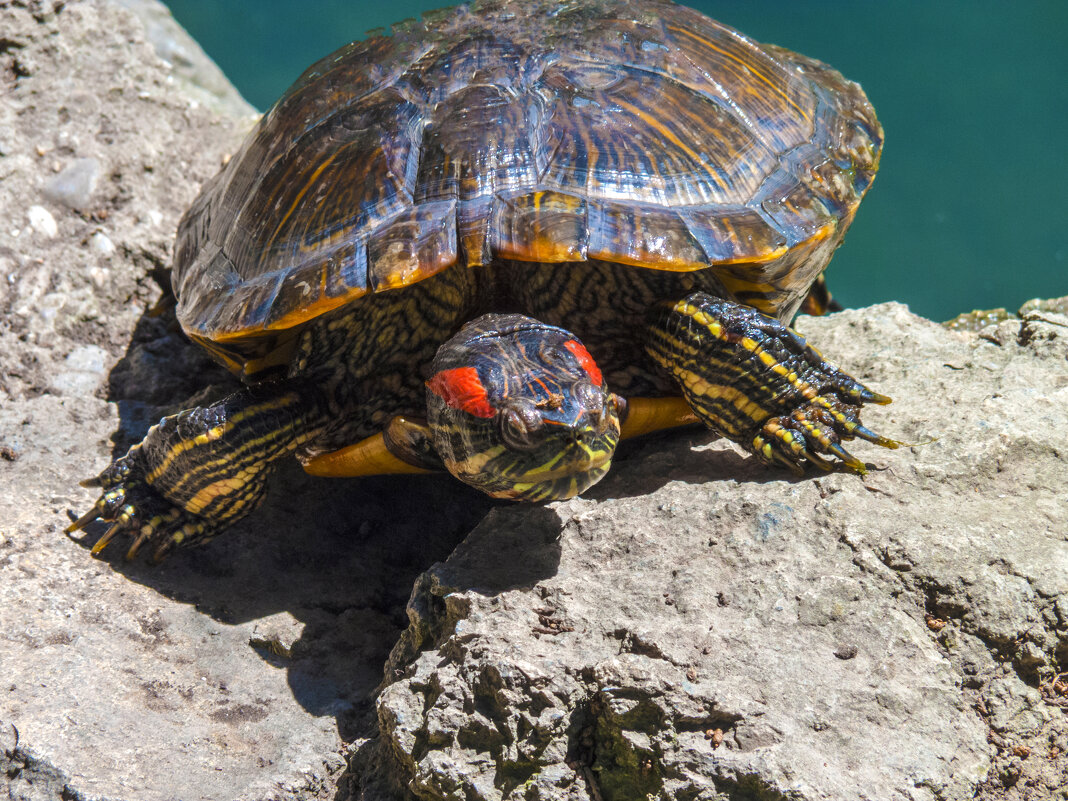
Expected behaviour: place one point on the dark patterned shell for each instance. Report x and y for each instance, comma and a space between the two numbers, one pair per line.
641, 133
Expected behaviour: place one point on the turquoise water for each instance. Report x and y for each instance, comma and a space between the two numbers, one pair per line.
970, 209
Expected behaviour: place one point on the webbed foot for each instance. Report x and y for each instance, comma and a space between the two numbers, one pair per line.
197, 472
814, 430
760, 384
134, 508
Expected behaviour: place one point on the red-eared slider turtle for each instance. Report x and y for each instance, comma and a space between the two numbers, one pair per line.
454, 244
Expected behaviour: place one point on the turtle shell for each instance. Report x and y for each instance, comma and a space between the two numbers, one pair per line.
640, 133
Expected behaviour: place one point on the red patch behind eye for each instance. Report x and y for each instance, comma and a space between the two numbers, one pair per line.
462, 389
585, 361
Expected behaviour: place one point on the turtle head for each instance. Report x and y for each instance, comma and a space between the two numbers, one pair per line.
519, 410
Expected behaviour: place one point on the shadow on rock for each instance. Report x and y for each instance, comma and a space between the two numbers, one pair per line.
324, 567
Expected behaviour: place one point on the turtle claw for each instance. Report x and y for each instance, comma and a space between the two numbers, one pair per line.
83, 521
102, 543
819, 461
874, 397
759, 383
815, 430
866, 433
137, 543
782, 461
134, 507
848, 459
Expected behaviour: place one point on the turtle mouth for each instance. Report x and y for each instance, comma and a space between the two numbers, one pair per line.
564, 475
571, 465
555, 474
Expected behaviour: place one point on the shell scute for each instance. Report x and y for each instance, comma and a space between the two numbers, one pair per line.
540, 226
315, 200
629, 134
416, 244
318, 286
643, 235
475, 143
734, 234
754, 80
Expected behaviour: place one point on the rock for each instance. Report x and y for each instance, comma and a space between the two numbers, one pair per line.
981, 320
696, 627
42, 221
197, 75
115, 683
101, 244
278, 633
245, 670
699, 627
84, 372
74, 185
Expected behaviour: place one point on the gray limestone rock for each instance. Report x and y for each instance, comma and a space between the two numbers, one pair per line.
696, 627
118, 681
699, 627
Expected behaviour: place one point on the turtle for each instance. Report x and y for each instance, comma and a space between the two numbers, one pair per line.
500, 238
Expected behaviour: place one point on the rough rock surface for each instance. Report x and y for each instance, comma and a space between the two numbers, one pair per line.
696, 627
197, 75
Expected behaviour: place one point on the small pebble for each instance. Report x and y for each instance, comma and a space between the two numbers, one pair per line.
90, 358
277, 633
99, 276
74, 186
845, 651
42, 221
934, 623
100, 243
84, 373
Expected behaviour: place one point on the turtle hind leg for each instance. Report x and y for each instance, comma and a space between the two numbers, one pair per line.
819, 300
759, 383
198, 471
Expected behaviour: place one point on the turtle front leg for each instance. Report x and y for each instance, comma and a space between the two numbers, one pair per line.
759, 383
197, 472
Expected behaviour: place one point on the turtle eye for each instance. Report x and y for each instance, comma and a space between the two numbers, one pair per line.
520, 423
560, 356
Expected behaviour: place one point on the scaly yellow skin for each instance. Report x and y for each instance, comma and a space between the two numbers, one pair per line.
759, 383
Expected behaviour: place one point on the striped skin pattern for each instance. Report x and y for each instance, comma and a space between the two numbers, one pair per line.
819, 301
542, 427
371, 359
759, 383
350, 373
